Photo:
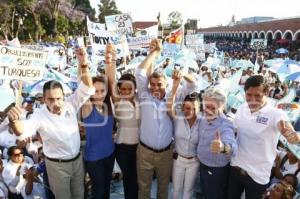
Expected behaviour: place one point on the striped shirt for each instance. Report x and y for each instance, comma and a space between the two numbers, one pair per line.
207, 133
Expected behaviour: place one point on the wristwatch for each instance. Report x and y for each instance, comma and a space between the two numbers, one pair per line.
224, 149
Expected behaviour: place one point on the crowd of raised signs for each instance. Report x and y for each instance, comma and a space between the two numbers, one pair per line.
227, 67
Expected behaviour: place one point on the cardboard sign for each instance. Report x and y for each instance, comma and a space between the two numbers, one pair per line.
170, 50
258, 44
119, 24
21, 64
194, 40
198, 50
99, 43
143, 38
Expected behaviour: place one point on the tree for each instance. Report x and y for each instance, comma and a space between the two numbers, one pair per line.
53, 6
106, 8
5, 18
175, 19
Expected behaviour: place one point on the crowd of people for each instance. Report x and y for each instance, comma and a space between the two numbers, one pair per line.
154, 127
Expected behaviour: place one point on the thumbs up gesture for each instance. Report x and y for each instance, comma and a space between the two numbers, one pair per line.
217, 145
289, 133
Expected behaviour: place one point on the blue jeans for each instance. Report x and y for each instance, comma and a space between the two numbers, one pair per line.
100, 172
214, 181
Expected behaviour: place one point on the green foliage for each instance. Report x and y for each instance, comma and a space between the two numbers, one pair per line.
106, 8
37, 17
62, 24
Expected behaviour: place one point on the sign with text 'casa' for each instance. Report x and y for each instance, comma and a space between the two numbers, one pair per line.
21, 64
119, 24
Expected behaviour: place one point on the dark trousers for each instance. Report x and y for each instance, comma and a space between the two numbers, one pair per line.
126, 158
100, 172
14, 195
214, 181
239, 181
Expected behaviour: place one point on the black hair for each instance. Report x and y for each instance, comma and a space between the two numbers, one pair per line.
293, 176
11, 150
192, 97
106, 101
52, 85
256, 81
126, 77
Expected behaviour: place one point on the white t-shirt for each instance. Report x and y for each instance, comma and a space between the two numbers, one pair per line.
257, 138
128, 117
14, 182
288, 168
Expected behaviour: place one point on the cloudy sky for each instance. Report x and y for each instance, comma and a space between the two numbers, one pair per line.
209, 12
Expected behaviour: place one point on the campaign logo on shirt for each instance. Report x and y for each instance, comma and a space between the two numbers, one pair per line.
262, 120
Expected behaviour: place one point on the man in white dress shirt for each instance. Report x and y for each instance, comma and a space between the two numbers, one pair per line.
57, 124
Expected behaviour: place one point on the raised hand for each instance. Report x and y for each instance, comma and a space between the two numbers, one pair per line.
81, 57
217, 145
156, 46
14, 114
176, 76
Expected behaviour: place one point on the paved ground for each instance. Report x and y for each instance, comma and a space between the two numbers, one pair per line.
117, 190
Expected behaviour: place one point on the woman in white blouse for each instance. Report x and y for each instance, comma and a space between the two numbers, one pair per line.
186, 125
128, 117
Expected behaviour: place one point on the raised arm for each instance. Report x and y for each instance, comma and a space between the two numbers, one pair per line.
144, 70
14, 116
176, 81
110, 70
155, 50
83, 68
86, 88
188, 87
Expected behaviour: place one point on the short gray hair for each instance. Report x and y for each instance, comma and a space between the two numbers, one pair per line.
216, 93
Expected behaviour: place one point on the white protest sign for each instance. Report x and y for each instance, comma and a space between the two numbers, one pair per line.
139, 42
195, 39
170, 50
198, 50
152, 30
99, 43
143, 38
119, 24
210, 47
21, 64
258, 44
195, 43
93, 27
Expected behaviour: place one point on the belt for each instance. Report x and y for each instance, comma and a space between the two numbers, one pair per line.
242, 171
156, 150
191, 157
64, 160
